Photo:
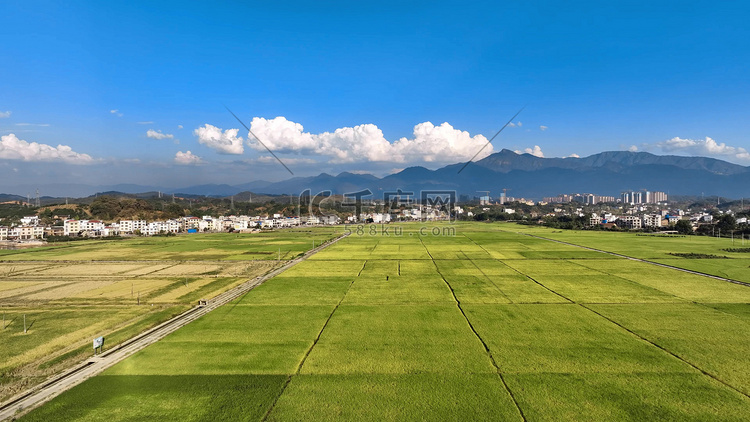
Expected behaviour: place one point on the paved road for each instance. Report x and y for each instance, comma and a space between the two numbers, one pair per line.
642, 260
49, 389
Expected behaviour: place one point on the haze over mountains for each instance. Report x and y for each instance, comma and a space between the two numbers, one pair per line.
524, 175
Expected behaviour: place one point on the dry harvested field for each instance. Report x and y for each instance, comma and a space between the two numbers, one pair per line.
481, 324
67, 302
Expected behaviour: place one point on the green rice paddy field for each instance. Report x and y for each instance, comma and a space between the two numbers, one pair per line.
70, 293
488, 324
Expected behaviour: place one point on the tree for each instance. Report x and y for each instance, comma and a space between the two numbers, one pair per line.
684, 227
105, 207
174, 211
727, 223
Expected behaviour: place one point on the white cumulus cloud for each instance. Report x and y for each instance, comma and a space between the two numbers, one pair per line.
573, 156
116, 112
12, 148
366, 142
226, 142
705, 146
4, 114
543, 128
633, 148
153, 134
187, 158
536, 151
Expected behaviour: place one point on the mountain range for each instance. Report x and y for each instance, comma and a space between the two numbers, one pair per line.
522, 175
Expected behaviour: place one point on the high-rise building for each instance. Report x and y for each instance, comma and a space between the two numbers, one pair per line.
643, 197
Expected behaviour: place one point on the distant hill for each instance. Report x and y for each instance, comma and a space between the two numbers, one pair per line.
4, 197
506, 160
207, 190
524, 175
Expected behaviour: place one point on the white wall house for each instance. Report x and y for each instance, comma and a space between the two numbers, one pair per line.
31, 220
71, 227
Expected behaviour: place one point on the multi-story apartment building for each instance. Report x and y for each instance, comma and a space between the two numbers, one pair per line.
643, 197
92, 226
630, 221
3, 233
190, 223
130, 226
651, 220
71, 227
28, 232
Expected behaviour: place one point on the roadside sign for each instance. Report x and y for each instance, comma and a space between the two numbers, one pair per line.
98, 343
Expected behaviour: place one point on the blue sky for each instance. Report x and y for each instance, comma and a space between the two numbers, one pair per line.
669, 78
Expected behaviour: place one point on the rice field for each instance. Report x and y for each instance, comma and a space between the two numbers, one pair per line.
72, 293
489, 324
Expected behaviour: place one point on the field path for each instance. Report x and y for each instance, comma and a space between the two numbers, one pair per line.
51, 388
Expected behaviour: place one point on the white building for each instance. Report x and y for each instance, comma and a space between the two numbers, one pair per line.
111, 230
92, 225
71, 227
330, 219
630, 221
130, 226
191, 223
651, 220
29, 232
31, 220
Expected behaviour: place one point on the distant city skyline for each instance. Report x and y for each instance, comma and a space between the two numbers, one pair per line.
136, 92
